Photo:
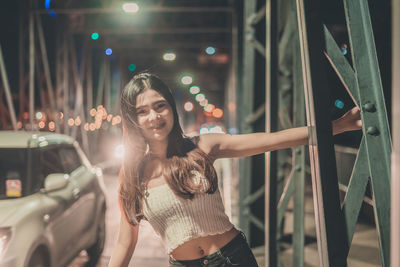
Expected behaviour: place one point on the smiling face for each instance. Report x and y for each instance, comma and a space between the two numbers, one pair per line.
154, 115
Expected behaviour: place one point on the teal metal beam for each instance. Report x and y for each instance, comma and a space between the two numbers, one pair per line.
299, 177
375, 122
342, 67
245, 102
355, 191
395, 203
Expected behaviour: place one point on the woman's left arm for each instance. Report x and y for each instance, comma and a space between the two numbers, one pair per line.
242, 145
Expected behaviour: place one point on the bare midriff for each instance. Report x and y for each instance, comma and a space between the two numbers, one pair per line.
203, 246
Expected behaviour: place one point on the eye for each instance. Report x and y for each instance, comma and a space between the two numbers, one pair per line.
140, 112
160, 106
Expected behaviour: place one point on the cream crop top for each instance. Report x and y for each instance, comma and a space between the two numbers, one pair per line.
177, 220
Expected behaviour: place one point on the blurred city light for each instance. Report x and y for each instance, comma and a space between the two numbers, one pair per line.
210, 50
132, 67
78, 121
93, 112
39, 115
130, 7
216, 129
119, 151
47, 4
108, 51
200, 97
169, 56
209, 108
95, 36
194, 90
203, 130
218, 113
52, 14
188, 106
71, 122
52, 126
339, 104
203, 102
186, 79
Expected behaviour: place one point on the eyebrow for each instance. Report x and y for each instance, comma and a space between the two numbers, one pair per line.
154, 103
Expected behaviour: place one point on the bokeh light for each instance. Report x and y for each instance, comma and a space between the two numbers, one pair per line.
47, 4
210, 50
218, 113
108, 51
209, 108
169, 56
41, 124
39, 115
71, 122
339, 104
52, 126
186, 79
188, 106
130, 7
132, 67
203, 130
194, 89
200, 97
203, 102
95, 36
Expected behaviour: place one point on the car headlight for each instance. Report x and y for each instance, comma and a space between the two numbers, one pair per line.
5, 236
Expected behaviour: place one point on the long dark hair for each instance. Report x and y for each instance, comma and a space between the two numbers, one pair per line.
183, 156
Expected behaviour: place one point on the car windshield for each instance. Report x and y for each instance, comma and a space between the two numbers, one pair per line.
13, 176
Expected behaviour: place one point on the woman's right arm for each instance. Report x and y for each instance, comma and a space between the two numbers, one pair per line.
123, 250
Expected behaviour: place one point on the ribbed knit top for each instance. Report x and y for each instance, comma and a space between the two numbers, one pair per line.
177, 220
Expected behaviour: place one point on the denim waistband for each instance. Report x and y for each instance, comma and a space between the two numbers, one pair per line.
238, 239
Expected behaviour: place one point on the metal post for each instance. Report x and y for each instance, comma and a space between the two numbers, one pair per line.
31, 69
7, 91
246, 96
271, 125
395, 210
65, 85
375, 122
329, 220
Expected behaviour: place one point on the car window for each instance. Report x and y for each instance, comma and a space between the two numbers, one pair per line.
70, 159
13, 176
51, 161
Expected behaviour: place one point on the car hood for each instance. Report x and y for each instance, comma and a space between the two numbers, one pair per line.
13, 210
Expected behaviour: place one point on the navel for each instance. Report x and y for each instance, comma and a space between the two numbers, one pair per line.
201, 251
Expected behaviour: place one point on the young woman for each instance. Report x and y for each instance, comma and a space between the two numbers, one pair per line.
169, 179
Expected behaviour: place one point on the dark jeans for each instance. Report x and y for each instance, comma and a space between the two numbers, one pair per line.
236, 253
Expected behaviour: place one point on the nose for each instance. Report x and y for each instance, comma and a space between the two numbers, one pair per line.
153, 115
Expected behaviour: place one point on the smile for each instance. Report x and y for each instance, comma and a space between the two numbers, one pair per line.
158, 126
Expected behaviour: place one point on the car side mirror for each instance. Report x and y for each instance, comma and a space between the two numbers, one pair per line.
55, 181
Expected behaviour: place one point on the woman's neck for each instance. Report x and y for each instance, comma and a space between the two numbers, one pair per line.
159, 149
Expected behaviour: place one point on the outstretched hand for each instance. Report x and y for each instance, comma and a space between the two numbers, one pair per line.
350, 121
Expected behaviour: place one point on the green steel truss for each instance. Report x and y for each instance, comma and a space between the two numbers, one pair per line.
298, 51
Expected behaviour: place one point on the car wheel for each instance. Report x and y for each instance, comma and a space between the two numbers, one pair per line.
39, 259
95, 251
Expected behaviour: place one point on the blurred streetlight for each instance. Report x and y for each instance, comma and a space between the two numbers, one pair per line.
200, 97
186, 79
169, 56
210, 50
130, 7
194, 90
188, 106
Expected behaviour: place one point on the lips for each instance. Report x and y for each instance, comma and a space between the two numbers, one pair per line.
158, 126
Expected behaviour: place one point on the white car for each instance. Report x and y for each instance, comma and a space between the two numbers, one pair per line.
52, 201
